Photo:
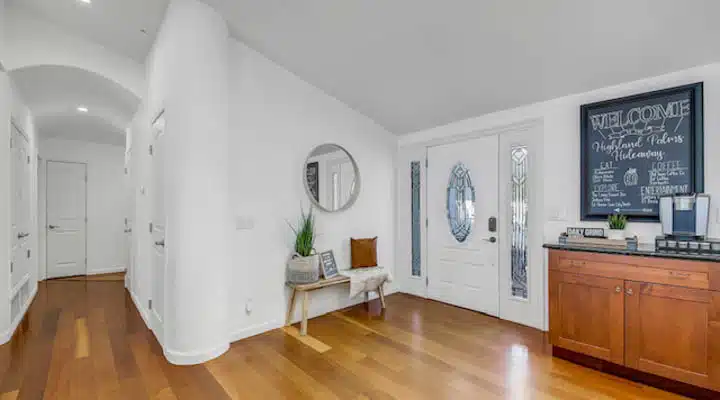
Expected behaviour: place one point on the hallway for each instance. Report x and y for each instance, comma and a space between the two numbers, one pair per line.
85, 340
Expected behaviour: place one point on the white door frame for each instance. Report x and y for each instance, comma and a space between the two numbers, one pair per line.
45, 228
536, 234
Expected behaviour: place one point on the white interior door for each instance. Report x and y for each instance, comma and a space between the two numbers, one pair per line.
129, 214
66, 219
21, 208
463, 265
158, 226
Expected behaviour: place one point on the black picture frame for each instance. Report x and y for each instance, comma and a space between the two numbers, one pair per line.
328, 264
696, 156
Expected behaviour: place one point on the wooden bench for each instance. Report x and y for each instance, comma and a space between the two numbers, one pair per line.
306, 288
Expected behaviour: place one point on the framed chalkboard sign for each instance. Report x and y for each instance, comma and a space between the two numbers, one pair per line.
638, 148
329, 267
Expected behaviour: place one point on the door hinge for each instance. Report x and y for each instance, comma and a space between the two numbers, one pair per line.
28, 253
426, 163
12, 266
86, 261
427, 281
86, 220
28, 158
150, 304
426, 222
150, 149
150, 225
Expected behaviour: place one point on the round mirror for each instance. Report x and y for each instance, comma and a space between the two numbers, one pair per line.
332, 179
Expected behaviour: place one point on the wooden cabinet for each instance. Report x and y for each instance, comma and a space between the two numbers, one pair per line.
658, 316
587, 315
673, 332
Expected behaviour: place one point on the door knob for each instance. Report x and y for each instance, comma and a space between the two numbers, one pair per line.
53, 227
629, 291
22, 235
160, 243
491, 239
618, 289
128, 230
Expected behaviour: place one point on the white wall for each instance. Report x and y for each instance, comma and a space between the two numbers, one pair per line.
2, 33
32, 40
11, 106
562, 145
561, 165
106, 200
276, 120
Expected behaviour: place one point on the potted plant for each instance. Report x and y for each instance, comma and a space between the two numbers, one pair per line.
304, 264
617, 223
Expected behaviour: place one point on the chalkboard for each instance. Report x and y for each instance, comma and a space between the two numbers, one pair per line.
637, 148
329, 267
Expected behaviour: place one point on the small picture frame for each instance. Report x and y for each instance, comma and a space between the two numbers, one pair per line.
328, 264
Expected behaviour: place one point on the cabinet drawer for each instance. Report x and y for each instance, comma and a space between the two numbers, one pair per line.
694, 275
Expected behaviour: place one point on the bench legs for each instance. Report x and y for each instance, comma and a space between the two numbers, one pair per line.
291, 308
304, 323
381, 293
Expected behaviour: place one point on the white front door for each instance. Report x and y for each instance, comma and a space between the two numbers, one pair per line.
158, 226
21, 208
66, 222
462, 198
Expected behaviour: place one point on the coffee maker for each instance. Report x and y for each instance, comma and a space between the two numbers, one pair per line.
685, 219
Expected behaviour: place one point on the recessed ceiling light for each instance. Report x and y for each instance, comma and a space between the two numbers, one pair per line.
85, 1
82, 109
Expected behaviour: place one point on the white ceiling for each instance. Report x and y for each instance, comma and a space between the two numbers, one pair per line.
53, 94
115, 24
416, 64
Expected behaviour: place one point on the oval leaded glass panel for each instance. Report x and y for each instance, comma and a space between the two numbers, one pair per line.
460, 202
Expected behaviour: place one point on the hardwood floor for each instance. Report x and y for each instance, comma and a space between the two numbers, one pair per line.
85, 340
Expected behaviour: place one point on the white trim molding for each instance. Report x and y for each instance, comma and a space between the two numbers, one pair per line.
255, 330
192, 358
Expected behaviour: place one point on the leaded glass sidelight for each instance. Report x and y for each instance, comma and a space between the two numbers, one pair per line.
460, 202
415, 217
519, 222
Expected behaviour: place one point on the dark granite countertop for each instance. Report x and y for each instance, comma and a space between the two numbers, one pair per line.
644, 250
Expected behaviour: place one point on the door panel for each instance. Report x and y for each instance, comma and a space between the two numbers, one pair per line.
464, 273
66, 229
21, 207
586, 315
688, 319
158, 227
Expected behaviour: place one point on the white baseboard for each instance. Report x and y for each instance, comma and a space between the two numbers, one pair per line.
8, 334
112, 270
140, 309
181, 358
254, 330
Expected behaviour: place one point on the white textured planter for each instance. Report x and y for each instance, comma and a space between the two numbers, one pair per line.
303, 269
616, 234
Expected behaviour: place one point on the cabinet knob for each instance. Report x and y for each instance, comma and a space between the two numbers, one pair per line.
629, 291
618, 289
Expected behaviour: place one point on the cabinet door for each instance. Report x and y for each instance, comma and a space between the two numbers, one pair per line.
586, 315
673, 332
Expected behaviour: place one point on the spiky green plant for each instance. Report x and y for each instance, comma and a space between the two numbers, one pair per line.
617, 221
305, 233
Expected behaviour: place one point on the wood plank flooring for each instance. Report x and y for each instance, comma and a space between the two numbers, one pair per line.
85, 340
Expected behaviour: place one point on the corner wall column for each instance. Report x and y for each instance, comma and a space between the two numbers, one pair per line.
188, 78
